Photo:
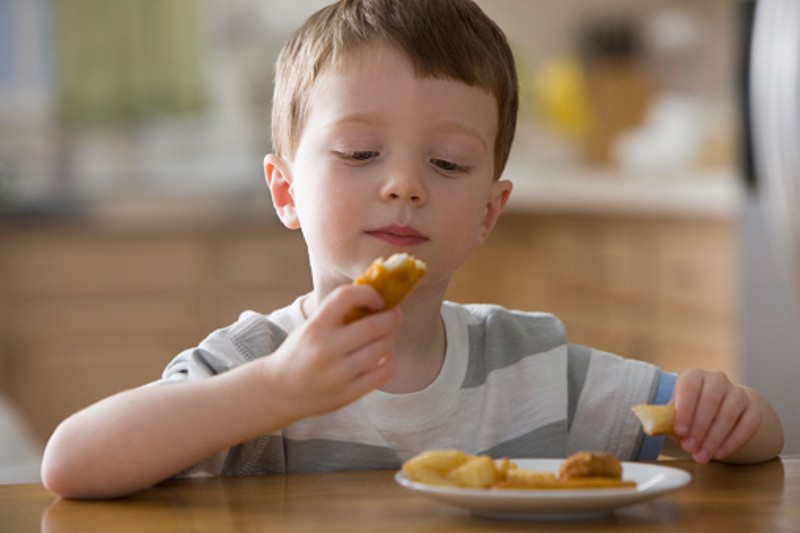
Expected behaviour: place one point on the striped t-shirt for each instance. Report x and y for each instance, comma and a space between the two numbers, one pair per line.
510, 386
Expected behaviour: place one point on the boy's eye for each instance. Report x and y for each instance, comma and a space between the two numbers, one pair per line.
358, 156
449, 166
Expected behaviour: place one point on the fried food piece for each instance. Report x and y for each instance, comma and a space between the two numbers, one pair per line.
518, 478
546, 481
504, 466
456, 468
393, 279
477, 472
583, 470
590, 465
598, 482
433, 466
656, 419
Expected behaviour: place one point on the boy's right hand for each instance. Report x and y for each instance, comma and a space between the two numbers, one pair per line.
326, 364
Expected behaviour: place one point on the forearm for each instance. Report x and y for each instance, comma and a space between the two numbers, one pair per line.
139, 437
768, 440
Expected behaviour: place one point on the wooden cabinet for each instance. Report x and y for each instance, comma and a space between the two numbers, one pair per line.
656, 289
86, 312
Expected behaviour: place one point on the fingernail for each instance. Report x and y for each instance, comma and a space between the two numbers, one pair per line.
702, 456
689, 444
680, 429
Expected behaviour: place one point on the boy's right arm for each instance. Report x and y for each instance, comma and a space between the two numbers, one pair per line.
139, 437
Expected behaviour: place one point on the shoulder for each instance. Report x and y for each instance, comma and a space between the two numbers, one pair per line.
517, 343
251, 336
256, 334
496, 324
490, 315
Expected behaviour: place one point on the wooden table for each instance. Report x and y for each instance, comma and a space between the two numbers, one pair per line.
762, 497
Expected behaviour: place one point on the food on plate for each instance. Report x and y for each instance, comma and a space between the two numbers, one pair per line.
476, 472
393, 278
554, 483
433, 466
455, 468
590, 464
655, 419
520, 478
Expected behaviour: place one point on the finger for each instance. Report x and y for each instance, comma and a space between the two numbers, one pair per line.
731, 409
373, 377
368, 356
345, 298
685, 398
374, 326
748, 425
707, 409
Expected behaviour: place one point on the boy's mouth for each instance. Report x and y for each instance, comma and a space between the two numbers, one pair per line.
403, 236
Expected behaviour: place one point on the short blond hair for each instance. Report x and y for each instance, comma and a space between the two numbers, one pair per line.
451, 39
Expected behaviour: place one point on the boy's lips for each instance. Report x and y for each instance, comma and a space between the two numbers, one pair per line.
398, 235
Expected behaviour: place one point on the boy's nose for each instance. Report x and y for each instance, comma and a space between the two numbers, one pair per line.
397, 196
404, 185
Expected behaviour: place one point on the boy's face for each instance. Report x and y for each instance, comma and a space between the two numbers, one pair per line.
389, 162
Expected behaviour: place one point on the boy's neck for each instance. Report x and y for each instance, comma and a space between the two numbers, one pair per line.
419, 350
420, 344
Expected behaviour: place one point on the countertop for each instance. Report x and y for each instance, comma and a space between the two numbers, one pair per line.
714, 194
717, 194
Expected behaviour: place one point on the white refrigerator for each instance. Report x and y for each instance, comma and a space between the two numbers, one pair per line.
770, 245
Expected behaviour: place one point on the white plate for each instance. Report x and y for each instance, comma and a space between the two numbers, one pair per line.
651, 481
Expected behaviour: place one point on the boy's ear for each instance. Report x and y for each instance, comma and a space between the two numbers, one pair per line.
279, 180
501, 190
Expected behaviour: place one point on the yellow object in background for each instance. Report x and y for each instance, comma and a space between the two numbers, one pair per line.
560, 93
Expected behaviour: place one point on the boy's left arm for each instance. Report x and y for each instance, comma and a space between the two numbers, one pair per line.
718, 419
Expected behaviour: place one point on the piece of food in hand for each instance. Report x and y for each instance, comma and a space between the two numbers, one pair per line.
590, 464
655, 419
393, 278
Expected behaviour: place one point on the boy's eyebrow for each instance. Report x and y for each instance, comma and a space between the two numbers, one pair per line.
364, 118
466, 130
375, 120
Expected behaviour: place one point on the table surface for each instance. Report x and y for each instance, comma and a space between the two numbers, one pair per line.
764, 497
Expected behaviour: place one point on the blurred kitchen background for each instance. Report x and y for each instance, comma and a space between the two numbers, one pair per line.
134, 218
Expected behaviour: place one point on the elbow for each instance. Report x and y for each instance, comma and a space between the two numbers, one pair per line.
64, 473
74, 469
58, 471
54, 477
63, 479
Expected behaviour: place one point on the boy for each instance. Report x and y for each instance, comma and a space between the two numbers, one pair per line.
392, 122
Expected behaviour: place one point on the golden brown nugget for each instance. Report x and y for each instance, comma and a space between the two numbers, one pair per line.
393, 278
590, 465
656, 419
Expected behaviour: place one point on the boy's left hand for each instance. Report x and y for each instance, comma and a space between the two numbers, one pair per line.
713, 416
